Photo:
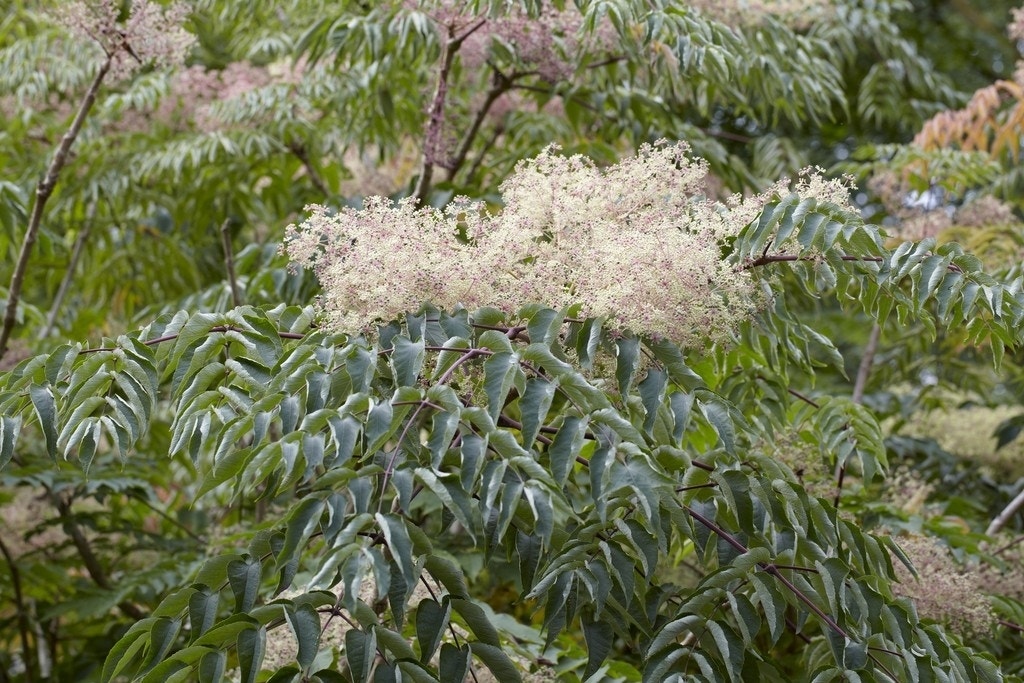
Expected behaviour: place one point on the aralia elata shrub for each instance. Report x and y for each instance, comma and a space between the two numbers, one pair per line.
589, 434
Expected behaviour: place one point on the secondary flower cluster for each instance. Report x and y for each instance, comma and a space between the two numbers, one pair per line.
637, 243
151, 33
545, 42
944, 592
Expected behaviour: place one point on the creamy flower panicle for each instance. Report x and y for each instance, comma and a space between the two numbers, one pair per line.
638, 244
384, 260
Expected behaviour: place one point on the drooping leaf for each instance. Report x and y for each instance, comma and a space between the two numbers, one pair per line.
305, 624
599, 636
431, 622
360, 649
244, 577
251, 646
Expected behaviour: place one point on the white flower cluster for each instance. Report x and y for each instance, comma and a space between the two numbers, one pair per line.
637, 243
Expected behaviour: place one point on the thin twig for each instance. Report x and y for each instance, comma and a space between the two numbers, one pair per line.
863, 371
191, 534
709, 485
389, 471
451, 627
172, 337
69, 274
1004, 548
773, 570
336, 610
866, 361
43, 191
796, 631
470, 355
229, 261
474, 170
766, 259
809, 401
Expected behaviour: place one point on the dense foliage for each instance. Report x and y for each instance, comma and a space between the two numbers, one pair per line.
445, 341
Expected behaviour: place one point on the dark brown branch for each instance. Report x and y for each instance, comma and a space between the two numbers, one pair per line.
709, 485
791, 625
335, 611
299, 150
1010, 625
432, 142
500, 85
701, 465
607, 61
22, 613
796, 568
802, 397
767, 259
89, 559
511, 332
793, 392
188, 532
43, 192
506, 421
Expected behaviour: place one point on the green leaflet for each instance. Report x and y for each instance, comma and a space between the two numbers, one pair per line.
202, 609
455, 661
431, 621
251, 646
497, 661
360, 649
598, 635
305, 624
244, 577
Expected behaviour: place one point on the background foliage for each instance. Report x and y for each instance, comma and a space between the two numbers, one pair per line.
200, 482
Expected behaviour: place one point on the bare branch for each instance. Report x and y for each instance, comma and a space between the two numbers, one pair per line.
92, 564
299, 150
1008, 512
500, 84
69, 274
435, 114
863, 371
43, 191
229, 261
866, 361
22, 612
